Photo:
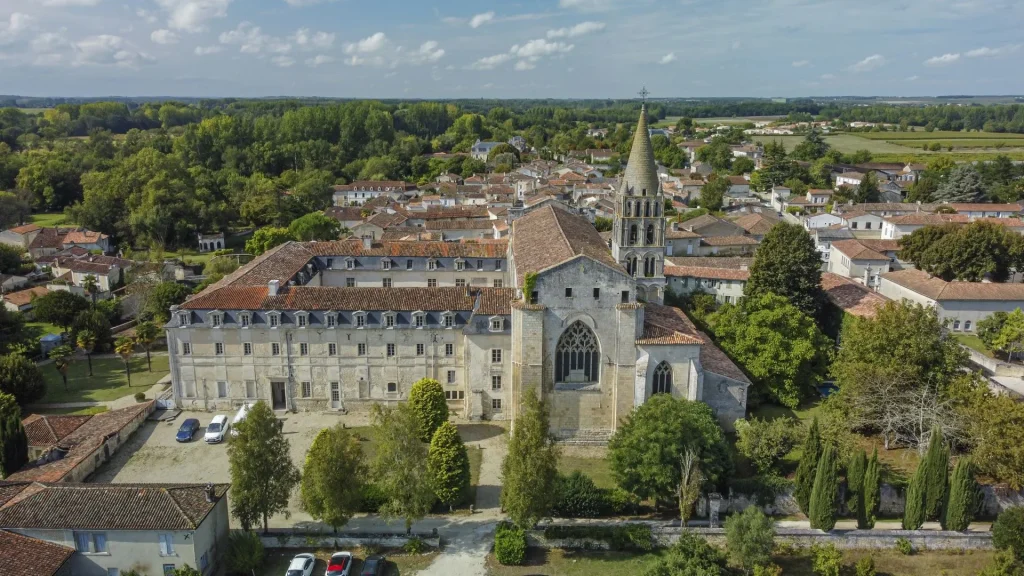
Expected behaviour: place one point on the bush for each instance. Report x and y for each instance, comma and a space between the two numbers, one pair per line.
768, 570
245, 553
578, 497
903, 546
415, 545
140, 396
510, 544
750, 536
635, 537
1008, 532
866, 566
372, 498
1004, 564
828, 560
691, 554
618, 502
766, 442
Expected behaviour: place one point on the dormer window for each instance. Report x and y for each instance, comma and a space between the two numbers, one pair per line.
332, 319
301, 319
330, 263
183, 319
274, 319
350, 263
389, 319
360, 319
497, 324
417, 319
431, 264
460, 265
215, 319
385, 264
244, 319
449, 320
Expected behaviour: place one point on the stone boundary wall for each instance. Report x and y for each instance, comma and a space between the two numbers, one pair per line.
282, 538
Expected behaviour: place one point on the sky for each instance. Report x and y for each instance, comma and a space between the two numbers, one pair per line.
525, 49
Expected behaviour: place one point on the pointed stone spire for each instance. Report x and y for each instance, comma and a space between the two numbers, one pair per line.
641, 171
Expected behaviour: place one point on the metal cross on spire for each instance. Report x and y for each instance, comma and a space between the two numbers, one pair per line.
643, 94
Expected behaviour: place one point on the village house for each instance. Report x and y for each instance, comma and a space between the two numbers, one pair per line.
852, 259
211, 242
723, 278
21, 300
960, 304
360, 192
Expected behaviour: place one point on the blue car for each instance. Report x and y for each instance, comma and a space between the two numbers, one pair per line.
188, 430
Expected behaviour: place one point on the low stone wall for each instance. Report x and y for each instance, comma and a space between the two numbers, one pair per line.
298, 539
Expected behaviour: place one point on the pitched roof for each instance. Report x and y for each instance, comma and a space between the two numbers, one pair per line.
462, 224
344, 213
83, 237
279, 263
728, 241
496, 301
24, 228
712, 358
707, 272
854, 250
851, 297
756, 224
979, 206
385, 220
727, 262
68, 506
927, 219
23, 297
24, 556
641, 171
938, 289
881, 245
667, 325
333, 298
410, 249
547, 236
47, 430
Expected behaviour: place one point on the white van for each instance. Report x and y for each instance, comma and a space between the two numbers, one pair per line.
215, 429
240, 416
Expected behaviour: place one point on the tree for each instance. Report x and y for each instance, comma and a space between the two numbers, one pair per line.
743, 165
91, 287
245, 553
164, 295
529, 471
13, 440
767, 442
812, 148
964, 184
963, 497
603, 224
145, 335
266, 238
923, 190
314, 226
653, 469
787, 263
807, 468
750, 537
870, 494
974, 252
717, 154
448, 465
59, 307
95, 321
125, 347
21, 378
914, 511
10, 256
13, 336
262, 473
867, 190
86, 340
1010, 338
998, 438
936, 473
988, 328
427, 401
778, 344
712, 193
400, 466
823, 508
332, 479
855, 471
61, 356
1008, 532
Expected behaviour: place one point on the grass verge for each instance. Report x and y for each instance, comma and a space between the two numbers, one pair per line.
108, 381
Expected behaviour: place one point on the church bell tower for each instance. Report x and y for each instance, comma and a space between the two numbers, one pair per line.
638, 235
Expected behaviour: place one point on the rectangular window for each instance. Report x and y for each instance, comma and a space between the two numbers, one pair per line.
247, 348
301, 318
350, 264
303, 349
332, 349
419, 320
361, 349
389, 321
245, 320
460, 282
451, 376
479, 264
275, 349
533, 297
431, 265
99, 542
496, 356
420, 348
497, 265
350, 282
408, 264
307, 389
496, 404
449, 349
274, 320
568, 292
460, 266
330, 263
431, 282
82, 542
597, 293
495, 382
332, 320
498, 283
360, 321
168, 569
386, 283
392, 387
250, 388
186, 349
454, 394
496, 325
166, 544
222, 389
215, 320
448, 321
853, 225
625, 296
183, 319
219, 348
385, 264
391, 350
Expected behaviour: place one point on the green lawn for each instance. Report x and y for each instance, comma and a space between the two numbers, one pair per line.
598, 469
277, 561
974, 343
49, 219
40, 329
107, 383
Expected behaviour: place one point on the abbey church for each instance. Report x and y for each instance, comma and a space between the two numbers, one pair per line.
330, 326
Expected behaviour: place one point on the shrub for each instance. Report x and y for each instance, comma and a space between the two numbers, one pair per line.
768, 570
691, 554
372, 498
510, 544
578, 497
903, 546
618, 502
866, 566
372, 548
750, 536
448, 465
415, 545
766, 442
622, 537
245, 553
828, 560
140, 396
427, 400
1003, 564
1008, 532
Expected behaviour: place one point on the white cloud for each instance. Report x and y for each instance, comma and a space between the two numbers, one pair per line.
13, 28
668, 58
283, 61
68, 3
428, 52
163, 37
192, 15
540, 47
368, 45
985, 51
319, 60
828, 76
523, 65
912, 78
146, 15
587, 5
869, 63
307, 39
107, 50
801, 63
204, 50
252, 40
578, 30
490, 62
481, 19
943, 60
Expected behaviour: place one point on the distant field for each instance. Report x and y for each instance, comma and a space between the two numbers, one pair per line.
938, 135
970, 143
845, 143
48, 219
33, 110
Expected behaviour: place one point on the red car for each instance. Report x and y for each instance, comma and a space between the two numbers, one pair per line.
340, 564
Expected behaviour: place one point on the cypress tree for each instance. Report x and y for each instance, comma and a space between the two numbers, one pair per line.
855, 478
805, 471
870, 494
936, 475
825, 493
13, 440
963, 497
913, 514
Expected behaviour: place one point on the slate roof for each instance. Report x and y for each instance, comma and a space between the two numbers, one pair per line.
24, 556
641, 171
938, 289
547, 236
852, 297
68, 506
355, 248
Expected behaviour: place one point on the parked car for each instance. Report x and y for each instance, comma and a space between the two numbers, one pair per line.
216, 429
188, 430
374, 566
301, 565
340, 564
240, 416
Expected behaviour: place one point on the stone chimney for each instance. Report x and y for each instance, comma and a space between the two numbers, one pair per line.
367, 242
210, 493
272, 287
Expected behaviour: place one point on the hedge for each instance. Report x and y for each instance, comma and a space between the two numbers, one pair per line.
509, 544
635, 537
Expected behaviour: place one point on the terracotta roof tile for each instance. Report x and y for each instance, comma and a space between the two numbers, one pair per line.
927, 219
334, 298
548, 236
854, 250
411, 249
938, 289
496, 301
756, 224
47, 430
667, 325
464, 224
24, 228
728, 241
851, 297
23, 297
704, 272
24, 556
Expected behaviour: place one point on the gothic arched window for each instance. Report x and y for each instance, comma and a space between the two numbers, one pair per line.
657, 208
577, 355
650, 234
647, 208
632, 234
649, 266
662, 379
631, 266
629, 208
